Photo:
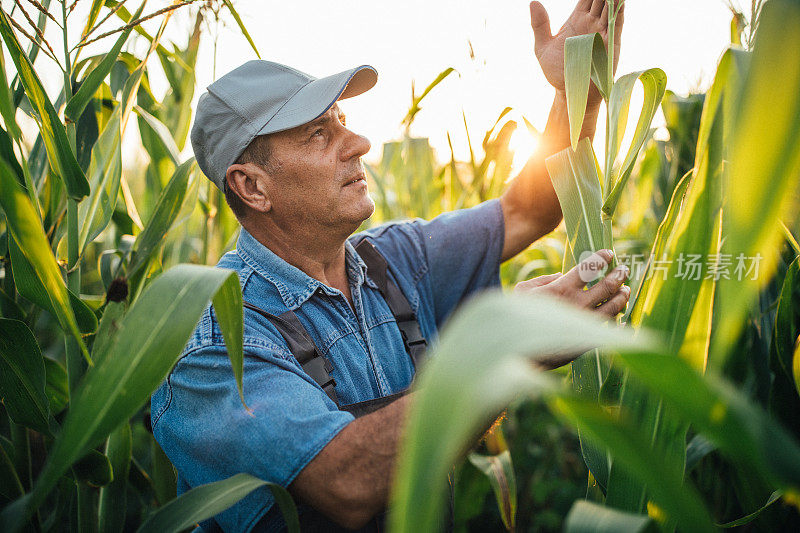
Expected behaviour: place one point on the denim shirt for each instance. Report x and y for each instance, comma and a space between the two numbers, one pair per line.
197, 416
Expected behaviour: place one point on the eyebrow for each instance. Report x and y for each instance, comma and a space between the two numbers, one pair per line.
324, 119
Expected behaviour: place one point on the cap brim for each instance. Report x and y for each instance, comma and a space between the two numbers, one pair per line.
316, 97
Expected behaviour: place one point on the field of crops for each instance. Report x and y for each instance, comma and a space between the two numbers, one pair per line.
685, 417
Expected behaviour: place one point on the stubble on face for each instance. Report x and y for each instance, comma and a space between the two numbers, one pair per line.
312, 166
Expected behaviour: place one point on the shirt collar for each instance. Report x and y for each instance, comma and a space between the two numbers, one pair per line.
294, 285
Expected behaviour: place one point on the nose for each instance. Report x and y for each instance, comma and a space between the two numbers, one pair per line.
354, 146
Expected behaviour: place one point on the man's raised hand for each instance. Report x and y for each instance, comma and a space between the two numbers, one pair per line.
589, 16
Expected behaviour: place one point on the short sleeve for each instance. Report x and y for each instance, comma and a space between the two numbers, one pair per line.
453, 255
208, 435
463, 250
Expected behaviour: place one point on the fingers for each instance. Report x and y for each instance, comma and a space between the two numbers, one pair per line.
597, 7
620, 19
540, 23
604, 15
617, 303
583, 5
606, 288
536, 282
588, 269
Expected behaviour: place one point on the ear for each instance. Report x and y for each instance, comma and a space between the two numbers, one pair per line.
249, 182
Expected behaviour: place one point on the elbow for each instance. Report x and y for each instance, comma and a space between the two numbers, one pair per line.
552, 219
354, 519
554, 223
355, 507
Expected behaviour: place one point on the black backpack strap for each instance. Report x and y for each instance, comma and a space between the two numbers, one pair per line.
377, 268
302, 347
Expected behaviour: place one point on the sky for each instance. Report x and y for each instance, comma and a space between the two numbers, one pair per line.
414, 40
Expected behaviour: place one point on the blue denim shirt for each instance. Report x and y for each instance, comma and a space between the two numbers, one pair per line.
196, 413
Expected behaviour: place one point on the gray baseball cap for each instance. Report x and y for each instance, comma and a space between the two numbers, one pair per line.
262, 97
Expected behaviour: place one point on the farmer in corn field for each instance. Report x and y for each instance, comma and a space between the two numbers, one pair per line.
336, 324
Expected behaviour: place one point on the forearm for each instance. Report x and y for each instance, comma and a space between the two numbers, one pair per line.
530, 202
350, 479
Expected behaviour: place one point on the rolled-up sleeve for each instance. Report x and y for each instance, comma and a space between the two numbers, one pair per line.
463, 250
208, 434
447, 258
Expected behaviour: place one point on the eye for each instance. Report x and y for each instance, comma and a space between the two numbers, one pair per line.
318, 131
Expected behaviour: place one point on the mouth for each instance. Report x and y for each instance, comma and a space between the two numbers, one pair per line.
361, 178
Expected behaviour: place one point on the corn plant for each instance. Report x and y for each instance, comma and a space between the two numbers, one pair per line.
81, 252
634, 414
408, 182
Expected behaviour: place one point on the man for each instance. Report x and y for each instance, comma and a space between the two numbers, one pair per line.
273, 140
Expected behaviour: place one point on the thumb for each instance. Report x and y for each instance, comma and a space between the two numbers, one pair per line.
540, 23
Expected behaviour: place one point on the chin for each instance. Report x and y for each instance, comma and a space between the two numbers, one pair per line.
361, 211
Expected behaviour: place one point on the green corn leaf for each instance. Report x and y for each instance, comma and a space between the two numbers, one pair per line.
698, 448
577, 185
113, 501
162, 132
61, 157
242, 28
178, 103
107, 330
94, 12
162, 474
659, 243
487, 137
8, 155
30, 285
600, 76
500, 472
7, 107
580, 53
416, 100
589, 517
94, 469
765, 162
205, 501
796, 365
167, 208
672, 290
9, 308
95, 78
105, 168
25, 227
476, 371
787, 319
105, 173
590, 373
56, 387
228, 308
739, 429
10, 485
679, 501
775, 496
679, 299
151, 337
22, 376
654, 83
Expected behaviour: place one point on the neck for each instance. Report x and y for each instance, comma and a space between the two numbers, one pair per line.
318, 253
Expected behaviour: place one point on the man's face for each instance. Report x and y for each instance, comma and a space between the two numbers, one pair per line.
317, 177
